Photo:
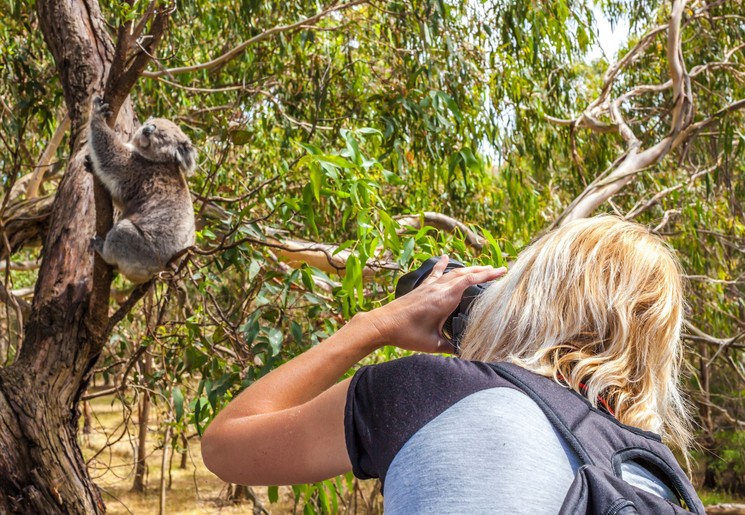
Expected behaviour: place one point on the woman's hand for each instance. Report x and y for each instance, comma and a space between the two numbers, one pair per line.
415, 321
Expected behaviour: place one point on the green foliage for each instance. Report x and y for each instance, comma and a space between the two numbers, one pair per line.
711, 497
323, 497
730, 468
725, 466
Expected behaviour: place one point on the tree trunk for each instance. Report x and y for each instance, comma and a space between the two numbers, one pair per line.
144, 419
163, 464
87, 416
41, 466
239, 493
184, 451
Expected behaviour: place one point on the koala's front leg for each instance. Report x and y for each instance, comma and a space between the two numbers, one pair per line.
88, 164
100, 134
110, 158
97, 244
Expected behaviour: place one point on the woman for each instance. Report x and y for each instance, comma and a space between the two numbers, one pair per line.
596, 305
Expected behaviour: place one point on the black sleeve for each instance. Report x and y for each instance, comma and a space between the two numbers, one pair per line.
388, 403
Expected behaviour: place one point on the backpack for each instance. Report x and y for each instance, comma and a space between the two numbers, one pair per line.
602, 445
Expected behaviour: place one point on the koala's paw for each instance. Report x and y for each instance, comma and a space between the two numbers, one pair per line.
100, 108
97, 244
88, 165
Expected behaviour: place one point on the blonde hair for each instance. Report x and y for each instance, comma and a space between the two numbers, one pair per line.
598, 301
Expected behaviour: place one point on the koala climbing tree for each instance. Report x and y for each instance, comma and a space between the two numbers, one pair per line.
147, 182
41, 466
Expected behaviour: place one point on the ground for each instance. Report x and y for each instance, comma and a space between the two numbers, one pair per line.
110, 446
194, 490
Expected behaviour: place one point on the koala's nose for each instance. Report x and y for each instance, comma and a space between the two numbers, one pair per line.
148, 129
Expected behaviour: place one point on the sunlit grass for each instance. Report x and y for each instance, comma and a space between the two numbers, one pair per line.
193, 490
711, 497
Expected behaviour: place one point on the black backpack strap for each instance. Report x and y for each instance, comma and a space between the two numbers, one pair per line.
563, 407
566, 410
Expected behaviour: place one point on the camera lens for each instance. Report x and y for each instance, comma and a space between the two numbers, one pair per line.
414, 278
455, 325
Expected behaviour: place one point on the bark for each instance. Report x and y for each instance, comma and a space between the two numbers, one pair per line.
87, 418
163, 466
41, 465
184, 451
144, 418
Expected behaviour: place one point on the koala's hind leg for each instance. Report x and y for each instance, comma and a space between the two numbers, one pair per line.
126, 249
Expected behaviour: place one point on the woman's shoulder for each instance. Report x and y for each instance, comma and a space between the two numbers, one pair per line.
423, 369
390, 402
437, 363
424, 379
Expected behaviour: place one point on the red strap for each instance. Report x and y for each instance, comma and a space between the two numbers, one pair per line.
583, 389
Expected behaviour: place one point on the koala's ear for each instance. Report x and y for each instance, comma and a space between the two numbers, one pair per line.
186, 157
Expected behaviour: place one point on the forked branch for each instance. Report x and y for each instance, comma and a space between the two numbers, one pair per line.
635, 159
133, 53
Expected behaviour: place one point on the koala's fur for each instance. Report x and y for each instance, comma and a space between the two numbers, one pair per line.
147, 181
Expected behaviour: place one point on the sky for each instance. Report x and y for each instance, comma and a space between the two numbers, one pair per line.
609, 40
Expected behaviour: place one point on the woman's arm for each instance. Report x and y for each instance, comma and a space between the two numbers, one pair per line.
288, 427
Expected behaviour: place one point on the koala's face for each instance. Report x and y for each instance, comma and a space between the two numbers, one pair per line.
162, 141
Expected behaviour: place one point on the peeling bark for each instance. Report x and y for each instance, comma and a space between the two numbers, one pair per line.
41, 466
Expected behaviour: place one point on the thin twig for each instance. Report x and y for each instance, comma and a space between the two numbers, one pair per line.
231, 54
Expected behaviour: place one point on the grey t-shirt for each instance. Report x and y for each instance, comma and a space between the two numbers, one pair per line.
443, 439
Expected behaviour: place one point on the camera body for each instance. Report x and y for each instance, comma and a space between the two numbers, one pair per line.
455, 325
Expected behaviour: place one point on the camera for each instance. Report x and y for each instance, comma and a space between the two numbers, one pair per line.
455, 325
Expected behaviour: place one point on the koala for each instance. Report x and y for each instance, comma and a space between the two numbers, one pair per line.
147, 182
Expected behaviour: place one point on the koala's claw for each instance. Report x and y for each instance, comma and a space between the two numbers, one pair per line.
101, 108
88, 165
97, 244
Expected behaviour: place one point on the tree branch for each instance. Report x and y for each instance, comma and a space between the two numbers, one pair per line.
635, 161
442, 223
327, 257
43, 165
231, 54
123, 383
698, 335
639, 209
127, 66
22, 307
734, 106
25, 223
139, 292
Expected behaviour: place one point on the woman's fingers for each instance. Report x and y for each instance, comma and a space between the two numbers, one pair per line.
437, 270
474, 274
482, 274
446, 288
464, 277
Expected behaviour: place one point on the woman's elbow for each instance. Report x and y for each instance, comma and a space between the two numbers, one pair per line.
216, 453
